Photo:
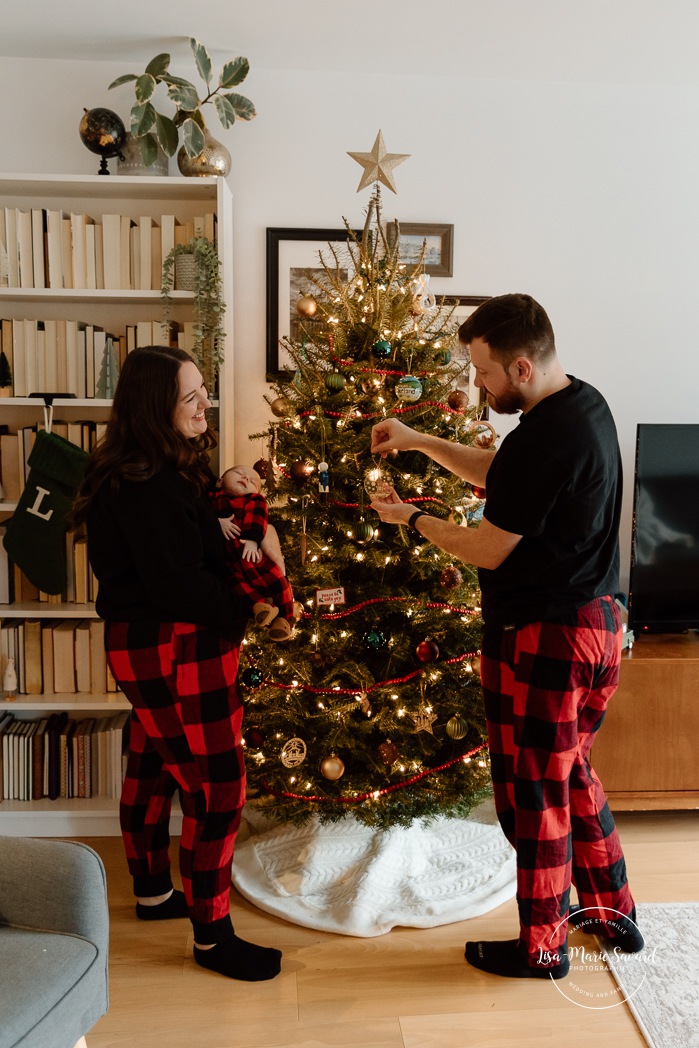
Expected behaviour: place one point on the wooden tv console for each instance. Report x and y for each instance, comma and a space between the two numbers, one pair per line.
647, 753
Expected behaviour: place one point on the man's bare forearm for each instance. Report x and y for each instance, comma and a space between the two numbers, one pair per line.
471, 464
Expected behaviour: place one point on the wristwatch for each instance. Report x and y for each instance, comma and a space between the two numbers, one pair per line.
414, 517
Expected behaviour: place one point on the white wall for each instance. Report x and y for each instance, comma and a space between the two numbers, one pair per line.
586, 196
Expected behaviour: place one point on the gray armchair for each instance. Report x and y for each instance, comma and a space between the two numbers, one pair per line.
54, 935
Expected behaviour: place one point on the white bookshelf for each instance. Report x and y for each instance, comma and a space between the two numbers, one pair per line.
112, 309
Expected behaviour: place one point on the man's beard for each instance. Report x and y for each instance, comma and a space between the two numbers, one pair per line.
507, 403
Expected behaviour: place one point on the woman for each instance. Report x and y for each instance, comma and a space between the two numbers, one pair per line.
172, 636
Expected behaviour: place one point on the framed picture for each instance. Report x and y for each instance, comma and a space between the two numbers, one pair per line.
292, 261
438, 241
463, 306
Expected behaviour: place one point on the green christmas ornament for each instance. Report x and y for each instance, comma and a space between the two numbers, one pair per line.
457, 727
442, 357
334, 381
363, 531
381, 349
374, 640
409, 389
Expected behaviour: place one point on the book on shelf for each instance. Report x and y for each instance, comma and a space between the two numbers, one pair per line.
6, 720
20, 369
37, 759
64, 658
51, 353
78, 246
65, 742
47, 628
9, 466
52, 756
99, 255
125, 281
54, 241
26, 771
111, 251
11, 247
24, 248
167, 234
82, 656
6, 342
135, 255
62, 356
4, 575
145, 252
156, 258
3, 247
98, 658
32, 657
67, 247
39, 246
91, 255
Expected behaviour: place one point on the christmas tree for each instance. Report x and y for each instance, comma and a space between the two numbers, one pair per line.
374, 707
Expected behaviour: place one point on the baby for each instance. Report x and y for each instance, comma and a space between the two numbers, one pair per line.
255, 562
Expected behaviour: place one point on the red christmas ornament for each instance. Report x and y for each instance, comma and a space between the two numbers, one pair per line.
254, 736
478, 493
262, 466
458, 400
427, 651
300, 471
388, 753
450, 577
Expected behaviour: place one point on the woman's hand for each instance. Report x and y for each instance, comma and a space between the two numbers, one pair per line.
229, 528
391, 509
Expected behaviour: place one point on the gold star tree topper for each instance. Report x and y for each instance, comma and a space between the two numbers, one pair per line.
378, 165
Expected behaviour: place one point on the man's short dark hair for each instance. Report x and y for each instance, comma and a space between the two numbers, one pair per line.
512, 325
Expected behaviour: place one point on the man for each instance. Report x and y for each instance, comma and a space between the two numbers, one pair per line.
548, 557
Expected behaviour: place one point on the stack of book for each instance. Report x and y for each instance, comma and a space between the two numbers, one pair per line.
57, 757
49, 248
56, 657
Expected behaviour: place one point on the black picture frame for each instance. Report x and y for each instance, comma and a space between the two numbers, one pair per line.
291, 249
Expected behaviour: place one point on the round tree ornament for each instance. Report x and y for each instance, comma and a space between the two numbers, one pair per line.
427, 650
252, 677
388, 753
457, 727
409, 389
332, 768
381, 349
335, 381
458, 400
293, 753
363, 531
281, 407
306, 306
374, 640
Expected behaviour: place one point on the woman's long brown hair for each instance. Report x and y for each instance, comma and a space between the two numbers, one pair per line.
141, 436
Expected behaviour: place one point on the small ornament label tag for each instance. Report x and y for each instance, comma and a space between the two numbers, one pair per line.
331, 596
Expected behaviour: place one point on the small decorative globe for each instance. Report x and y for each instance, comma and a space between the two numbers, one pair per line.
388, 753
102, 132
252, 677
409, 389
381, 349
262, 467
450, 576
443, 356
300, 471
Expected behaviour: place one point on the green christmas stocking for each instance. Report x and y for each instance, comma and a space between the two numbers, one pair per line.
35, 534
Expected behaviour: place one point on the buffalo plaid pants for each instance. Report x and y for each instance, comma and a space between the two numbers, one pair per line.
259, 582
185, 735
546, 687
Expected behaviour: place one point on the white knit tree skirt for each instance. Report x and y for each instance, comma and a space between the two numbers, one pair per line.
348, 878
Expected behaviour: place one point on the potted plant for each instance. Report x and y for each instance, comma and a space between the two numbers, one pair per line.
209, 308
153, 128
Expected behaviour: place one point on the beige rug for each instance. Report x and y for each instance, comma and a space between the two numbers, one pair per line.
661, 984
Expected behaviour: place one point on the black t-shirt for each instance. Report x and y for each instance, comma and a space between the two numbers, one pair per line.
555, 480
158, 552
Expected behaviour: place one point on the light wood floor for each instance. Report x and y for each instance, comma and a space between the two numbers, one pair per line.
408, 989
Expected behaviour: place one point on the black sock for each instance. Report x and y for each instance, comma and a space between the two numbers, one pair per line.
239, 959
623, 933
509, 958
174, 906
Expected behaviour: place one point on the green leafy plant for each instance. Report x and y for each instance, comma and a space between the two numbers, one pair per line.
154, 129
209, 307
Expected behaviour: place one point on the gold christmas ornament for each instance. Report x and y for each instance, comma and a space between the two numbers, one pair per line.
457, 727
281, 407
306, 306
332, 768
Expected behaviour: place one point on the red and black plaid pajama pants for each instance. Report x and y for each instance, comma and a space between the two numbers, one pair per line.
546, 687
185, 735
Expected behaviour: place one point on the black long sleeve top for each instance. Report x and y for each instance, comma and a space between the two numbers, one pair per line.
158, 553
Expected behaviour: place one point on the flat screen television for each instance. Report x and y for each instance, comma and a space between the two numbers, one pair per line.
664, 581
